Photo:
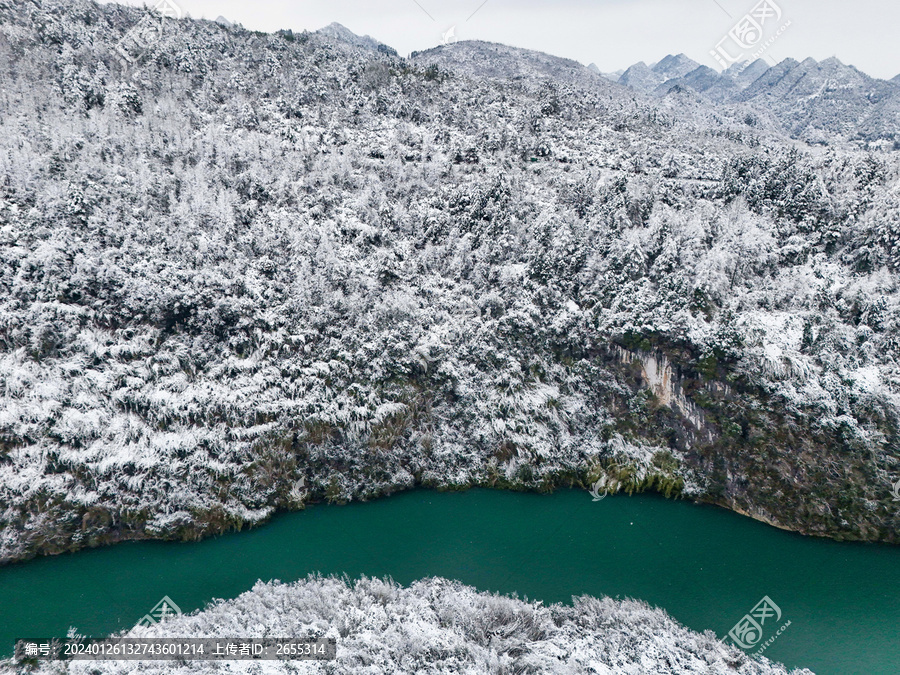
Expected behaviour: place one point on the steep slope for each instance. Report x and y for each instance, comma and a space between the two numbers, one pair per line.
744, 74
827, 96
674, 66
641, 77
718, 87
343, 34
254, 271
700, 79
646, 79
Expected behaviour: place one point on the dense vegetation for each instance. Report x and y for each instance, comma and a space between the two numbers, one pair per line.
257, 270
440, 626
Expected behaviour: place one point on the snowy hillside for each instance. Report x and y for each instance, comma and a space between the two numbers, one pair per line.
440, 626
258, 270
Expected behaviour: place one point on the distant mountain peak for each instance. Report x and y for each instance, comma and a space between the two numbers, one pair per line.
836, 97
735, 69
743, 74
338, 31
339, 28
488, 59
641, 77
667, 71
676, 65
784, 66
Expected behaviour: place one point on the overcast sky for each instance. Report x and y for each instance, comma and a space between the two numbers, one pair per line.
611, 33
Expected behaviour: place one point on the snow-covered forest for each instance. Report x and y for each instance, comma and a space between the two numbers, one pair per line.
255, 270
441, 626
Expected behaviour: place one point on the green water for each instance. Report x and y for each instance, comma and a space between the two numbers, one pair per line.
706, 566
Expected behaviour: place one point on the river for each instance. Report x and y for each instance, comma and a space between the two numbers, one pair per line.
706, 566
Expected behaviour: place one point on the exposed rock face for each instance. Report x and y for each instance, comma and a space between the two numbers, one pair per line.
745, 427
665, 383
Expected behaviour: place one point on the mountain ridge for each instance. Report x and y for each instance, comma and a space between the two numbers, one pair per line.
867, 104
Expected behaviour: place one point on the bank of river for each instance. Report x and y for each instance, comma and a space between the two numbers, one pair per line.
706, 566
